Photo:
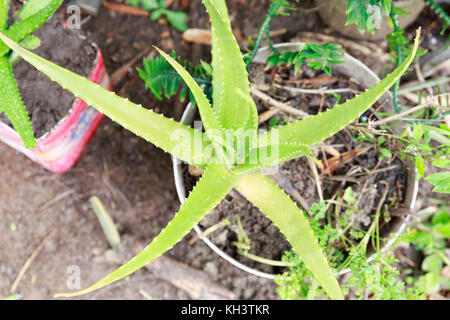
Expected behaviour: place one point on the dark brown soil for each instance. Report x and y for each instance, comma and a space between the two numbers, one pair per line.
46, 102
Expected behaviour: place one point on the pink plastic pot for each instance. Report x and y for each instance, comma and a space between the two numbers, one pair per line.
59, 149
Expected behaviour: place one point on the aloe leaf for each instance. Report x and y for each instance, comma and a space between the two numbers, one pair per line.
21, 29
30, 42
312, 130
4, 13
11, 103
277, 206
209, 119
163, 132
229, 73
213, 186
31, 7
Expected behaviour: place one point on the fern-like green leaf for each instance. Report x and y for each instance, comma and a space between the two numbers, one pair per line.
162, 80
213, 186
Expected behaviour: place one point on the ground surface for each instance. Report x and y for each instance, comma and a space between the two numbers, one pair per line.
131, 177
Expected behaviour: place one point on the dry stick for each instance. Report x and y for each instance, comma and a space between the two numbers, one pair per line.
370, 173
313, 167
266, 115
59, 197
277, 104
421, 78
30, 260
400, 115
322, 91
126, 9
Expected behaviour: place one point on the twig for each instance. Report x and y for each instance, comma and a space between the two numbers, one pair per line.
59, 197
399, 115
266, 115
277, 104
120, 73
30, 260
313, 167
421, 78
315, 91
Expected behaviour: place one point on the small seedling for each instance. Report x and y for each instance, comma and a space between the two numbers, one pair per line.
163, 81
158, 9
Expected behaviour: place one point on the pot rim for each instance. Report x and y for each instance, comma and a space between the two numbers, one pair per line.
369, 79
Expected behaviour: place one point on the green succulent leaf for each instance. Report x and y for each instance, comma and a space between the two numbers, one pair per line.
155, 128
20, 30
293, 139
31, 7
4, 13
11, 103
213, 129
232, 109
291, 221
30, 42
213, 186
229, 73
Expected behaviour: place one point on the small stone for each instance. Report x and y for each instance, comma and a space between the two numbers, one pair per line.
211, 269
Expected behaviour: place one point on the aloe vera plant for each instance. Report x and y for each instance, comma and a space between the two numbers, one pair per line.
32, 15
231, 150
